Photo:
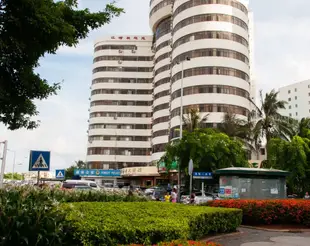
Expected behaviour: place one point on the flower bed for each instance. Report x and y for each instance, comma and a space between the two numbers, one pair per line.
146, 223
257, 212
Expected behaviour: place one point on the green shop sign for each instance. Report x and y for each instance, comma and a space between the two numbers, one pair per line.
162, 168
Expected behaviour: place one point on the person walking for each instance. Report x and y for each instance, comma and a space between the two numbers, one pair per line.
174, 195
167, 197
307, 196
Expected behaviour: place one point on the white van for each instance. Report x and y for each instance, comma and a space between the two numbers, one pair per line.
71, 184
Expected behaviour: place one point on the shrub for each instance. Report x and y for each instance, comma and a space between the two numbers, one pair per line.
30, 219
146, 223
30, 216
269, 211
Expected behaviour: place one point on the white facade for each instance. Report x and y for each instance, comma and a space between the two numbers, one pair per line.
215, 36
121, 103
297, 97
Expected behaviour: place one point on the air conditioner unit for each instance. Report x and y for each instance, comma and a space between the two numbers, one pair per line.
115, 117
120, 62
89, 99
133, 51
120, 51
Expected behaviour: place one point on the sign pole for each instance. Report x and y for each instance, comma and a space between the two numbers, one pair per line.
38, 177
3, 162
190, 172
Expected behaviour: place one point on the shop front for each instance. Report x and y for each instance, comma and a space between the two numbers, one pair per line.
100, 176
141, 176
171, 172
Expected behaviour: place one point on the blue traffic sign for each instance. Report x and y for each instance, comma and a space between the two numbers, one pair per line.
60, 173
39, 160
97, 172
202, 175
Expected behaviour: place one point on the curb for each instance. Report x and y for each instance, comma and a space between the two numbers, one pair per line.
276, 230
207, 239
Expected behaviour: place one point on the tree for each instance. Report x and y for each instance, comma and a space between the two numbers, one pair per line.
69, 174
209, 150
272, 123
302, 128
29, 29
16, 176
293, 156
192, 119
242, 130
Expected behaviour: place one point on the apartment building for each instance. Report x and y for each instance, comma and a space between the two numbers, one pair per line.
297, 97
205, 47
120, 122
202, 46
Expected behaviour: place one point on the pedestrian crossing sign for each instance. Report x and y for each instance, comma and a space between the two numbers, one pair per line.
60, 174
39, 160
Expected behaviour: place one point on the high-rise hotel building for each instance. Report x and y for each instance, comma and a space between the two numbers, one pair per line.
203, 45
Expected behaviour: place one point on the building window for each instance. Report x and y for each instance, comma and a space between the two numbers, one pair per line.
289, 99
308, 86
295, 89
289, 91
296, 106
290, 115
295, 97
296, 114
262, 151
289, 107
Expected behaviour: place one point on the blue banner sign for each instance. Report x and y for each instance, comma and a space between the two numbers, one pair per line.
97, 172
202, 175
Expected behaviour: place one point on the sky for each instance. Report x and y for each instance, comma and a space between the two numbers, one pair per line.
282, 57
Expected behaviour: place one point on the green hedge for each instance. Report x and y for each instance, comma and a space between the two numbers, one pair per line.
31, 216
146, 223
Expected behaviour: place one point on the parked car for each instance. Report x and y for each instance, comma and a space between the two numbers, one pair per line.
71, 184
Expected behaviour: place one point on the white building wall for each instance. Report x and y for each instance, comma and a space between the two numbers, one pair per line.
230, 44
121, 103
297, 97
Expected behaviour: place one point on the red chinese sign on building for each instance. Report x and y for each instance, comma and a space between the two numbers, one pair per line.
128, 38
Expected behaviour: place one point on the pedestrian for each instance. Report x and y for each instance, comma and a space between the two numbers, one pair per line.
174, 195
192, 198
307, 196
167, 197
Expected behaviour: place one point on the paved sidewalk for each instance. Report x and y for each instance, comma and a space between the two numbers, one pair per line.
250, 237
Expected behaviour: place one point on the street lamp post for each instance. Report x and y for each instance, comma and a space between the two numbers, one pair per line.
181, 125
3, 159
14, 160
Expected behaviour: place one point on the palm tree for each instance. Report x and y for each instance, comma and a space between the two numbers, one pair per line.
243, 130
192, 119
272, 123
302, 128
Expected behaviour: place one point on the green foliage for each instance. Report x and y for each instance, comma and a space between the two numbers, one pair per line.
209, 150
146, 223
29, 30
293, 156
31, 216
70, 170
16, 176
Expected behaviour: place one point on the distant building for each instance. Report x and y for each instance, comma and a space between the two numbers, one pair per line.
297, 97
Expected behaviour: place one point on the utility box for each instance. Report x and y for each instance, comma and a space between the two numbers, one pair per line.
252, 183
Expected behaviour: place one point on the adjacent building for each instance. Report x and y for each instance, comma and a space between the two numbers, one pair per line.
120, 123
205, 47
297, 97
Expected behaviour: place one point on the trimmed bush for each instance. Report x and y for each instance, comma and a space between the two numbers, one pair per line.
257, 212
30, 216
146, 223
